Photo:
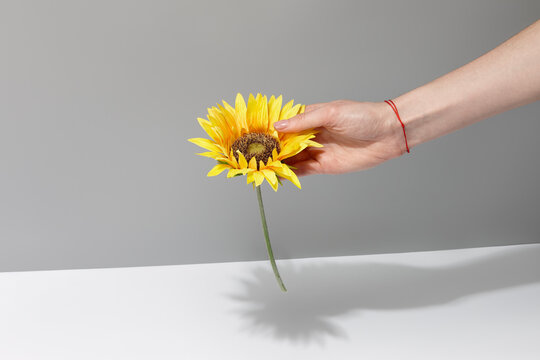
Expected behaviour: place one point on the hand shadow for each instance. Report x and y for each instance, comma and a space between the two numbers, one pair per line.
319, 292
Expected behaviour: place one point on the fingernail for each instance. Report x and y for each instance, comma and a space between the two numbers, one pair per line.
280, 125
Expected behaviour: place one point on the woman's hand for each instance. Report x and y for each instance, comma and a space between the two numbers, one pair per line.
355, 135
360, 135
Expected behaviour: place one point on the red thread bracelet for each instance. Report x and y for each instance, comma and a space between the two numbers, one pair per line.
393, 106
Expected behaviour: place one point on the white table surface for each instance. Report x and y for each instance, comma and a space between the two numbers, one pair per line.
459, 304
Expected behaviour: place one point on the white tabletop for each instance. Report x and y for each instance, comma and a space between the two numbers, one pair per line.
459, 304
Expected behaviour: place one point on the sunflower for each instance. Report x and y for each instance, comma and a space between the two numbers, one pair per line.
244, 141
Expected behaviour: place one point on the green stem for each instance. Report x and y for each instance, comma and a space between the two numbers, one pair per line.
267, 237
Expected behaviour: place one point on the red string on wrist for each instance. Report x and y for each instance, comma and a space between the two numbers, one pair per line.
393, 106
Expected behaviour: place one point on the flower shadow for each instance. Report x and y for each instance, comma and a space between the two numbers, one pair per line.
320, 294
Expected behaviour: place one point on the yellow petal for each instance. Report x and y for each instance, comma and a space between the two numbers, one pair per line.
258, 177
208, 128
288, 174
230, 119
218, 169
234, 172
233, 160
205, 144
232, 163
274, 186
290, 150
242, 160
257, 113
274, 165
295, 180
274, 108
285, 110
211, 154
250, 112
290, 112
271, 177
241, 110
262, 114
274, 154
314, 144
218, 120
294, 145
253, 163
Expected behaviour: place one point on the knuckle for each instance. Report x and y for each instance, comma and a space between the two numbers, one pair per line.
333, 110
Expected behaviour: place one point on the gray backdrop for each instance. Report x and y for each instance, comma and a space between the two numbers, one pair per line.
99, 97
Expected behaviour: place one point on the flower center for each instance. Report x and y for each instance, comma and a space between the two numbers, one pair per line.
255, 145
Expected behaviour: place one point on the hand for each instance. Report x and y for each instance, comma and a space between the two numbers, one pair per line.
355, 135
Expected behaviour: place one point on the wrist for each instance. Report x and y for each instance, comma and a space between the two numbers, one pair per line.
417, 112
394, 135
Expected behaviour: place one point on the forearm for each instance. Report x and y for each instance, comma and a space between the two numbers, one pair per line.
504, 78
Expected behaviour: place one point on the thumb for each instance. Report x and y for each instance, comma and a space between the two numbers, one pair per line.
303, 121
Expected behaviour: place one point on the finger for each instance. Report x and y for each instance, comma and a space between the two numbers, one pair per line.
313, 107
301, 156
308, 167
303, 121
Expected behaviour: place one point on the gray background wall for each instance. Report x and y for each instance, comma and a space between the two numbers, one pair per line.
98, 99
